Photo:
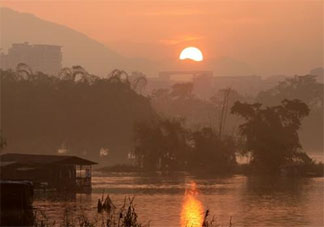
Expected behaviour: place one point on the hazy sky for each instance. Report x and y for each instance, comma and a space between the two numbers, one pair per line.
270, 35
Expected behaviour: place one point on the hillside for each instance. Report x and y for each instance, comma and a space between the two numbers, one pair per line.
78, 49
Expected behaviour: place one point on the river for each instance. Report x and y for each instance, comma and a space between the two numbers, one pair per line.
163, 200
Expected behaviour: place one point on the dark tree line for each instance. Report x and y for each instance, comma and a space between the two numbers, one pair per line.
269, 135
276, 138
86, 113
39, 113
179, 100
165, 144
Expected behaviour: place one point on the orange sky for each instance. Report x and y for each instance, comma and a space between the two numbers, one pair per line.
271, 35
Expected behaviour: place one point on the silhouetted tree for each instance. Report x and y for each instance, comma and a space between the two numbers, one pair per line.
87, 114
23, 71
271, 133
161, 144
212, 153
179, 101
138, 82
165, 144
182, 91
77, 74
119, 77
304, 88
310, 91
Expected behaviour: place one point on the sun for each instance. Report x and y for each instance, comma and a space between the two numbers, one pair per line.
192, 53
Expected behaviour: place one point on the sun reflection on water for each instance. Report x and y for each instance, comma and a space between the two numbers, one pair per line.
192, 208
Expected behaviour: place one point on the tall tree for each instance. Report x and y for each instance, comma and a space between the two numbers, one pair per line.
270, 133
310, 91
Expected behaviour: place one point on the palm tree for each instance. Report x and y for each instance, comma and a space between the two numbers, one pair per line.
76, 73
119, 76
138, 82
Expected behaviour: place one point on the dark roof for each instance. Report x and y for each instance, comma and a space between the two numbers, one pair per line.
44, 159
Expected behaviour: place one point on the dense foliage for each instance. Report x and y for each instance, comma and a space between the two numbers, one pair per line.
310, 91
212, 153
166, 145
161, 144
94, 117
271, 133
85, 113
179, 101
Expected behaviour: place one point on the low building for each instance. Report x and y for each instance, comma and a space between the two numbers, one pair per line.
63, 173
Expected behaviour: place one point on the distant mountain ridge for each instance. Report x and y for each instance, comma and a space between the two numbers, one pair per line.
78, 49
96, 58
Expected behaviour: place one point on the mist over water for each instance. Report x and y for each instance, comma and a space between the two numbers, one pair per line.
162, 200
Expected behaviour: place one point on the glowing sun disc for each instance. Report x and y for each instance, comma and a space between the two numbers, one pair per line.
192, 53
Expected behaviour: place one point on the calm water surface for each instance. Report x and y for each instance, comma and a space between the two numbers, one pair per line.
250, 201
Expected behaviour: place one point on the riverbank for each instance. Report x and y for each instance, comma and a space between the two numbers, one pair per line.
316, 169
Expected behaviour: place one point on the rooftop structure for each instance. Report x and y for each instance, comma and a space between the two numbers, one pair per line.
55, 171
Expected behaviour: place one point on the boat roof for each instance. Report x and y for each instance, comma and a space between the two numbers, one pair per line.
17, 158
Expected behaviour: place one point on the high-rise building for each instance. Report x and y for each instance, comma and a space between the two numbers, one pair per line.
39, 57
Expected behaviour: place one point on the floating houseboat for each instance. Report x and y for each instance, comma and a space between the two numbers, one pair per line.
59, 172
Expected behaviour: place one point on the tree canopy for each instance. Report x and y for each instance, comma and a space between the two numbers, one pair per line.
166, 145
310, 91
270, 133
77, 109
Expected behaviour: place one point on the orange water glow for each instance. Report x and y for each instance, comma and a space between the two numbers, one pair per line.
192, 208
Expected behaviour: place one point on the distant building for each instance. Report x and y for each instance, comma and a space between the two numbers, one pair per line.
201, 80
205, 84
40, 57
166, 75
156, 83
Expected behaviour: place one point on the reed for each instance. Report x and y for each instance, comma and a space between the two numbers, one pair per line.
108, 215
